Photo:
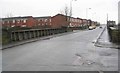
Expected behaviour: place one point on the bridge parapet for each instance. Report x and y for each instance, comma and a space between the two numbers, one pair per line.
20, 35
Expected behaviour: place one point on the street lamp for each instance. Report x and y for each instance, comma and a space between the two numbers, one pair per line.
87, 12
71, 7
70, 15
94, 16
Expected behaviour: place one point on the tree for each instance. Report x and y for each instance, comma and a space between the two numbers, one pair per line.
8, 15
66, 12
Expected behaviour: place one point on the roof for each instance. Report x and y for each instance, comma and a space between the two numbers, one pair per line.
64, 15
11, 18
58, 15
42, 17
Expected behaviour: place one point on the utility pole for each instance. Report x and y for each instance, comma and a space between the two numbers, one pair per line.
107, 18
119, 13
87, 12
70, 14
71, 7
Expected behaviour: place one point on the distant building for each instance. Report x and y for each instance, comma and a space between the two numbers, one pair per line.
111, 23
119, 13
61, 20
27, 21
84, 22
57, 21
75, 22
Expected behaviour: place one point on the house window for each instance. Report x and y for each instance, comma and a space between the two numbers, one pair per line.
7, 21
70, 19
75, 20
45, 20
2, 22
39, 20
42, 19
18, 21
24, 21
23, 26
70, 25
50, 20
13, 21
13, 26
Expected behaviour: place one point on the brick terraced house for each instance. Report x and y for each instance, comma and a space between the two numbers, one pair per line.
57, 21
61, 20
27, 21
43, 22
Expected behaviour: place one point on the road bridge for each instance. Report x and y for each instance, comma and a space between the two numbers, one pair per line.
69, 52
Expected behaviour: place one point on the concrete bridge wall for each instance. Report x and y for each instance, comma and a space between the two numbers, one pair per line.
34, 33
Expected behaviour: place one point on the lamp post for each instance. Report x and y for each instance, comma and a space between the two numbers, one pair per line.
71, 7
87, 16
119, 13
87, 12
94, 16
70, 15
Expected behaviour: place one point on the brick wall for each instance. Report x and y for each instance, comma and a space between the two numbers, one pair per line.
19, 21
59, 21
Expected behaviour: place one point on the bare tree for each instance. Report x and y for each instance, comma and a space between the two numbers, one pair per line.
8, 15
67, 12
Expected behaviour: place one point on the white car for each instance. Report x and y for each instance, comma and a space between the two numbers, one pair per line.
90, 28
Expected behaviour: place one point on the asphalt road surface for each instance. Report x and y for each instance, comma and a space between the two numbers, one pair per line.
69, 52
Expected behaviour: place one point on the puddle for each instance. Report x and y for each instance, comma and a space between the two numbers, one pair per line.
78, 55
82, 61
88, 62
47, 38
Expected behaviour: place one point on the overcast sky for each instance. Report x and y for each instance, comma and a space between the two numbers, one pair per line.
98, 11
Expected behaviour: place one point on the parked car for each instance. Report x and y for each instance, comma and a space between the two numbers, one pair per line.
94, 27
90, 28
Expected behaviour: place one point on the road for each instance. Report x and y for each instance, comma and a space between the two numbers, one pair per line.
70, 52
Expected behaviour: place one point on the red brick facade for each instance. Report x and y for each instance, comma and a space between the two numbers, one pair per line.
19, 21
43, 22
75, 22
56, 21
59, 21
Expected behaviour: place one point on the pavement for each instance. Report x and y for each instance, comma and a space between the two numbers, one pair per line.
103, 40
